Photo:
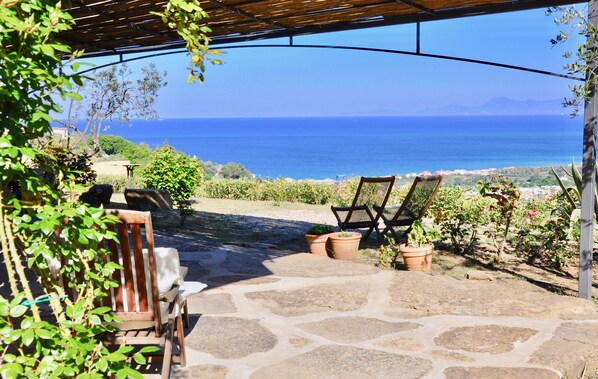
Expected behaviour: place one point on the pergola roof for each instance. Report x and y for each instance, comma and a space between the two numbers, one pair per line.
105, 27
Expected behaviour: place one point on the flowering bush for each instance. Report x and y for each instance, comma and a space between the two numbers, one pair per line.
548, 232
459, 216
506, 196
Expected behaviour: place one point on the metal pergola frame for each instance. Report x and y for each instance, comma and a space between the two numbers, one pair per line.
274, 29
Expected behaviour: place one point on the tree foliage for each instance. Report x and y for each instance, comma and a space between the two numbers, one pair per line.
583, 61
111, 95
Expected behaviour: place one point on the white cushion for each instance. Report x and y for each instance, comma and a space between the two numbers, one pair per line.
190, 288
167, 268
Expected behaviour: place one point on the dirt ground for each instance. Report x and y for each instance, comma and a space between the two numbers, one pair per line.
282, 225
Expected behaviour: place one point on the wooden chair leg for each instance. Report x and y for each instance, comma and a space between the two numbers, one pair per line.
181, 340
166, 363
186, 314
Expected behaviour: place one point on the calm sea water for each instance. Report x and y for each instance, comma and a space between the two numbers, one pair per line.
326, 147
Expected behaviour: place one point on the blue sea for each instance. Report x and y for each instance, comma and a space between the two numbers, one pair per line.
330, 147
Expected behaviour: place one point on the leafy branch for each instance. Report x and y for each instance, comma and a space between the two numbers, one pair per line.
582, 61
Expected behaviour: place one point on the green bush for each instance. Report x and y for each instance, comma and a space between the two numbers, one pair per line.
175, 172
269, 190
234, 171
115, 145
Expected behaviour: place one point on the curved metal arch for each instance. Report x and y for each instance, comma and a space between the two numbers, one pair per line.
356, 48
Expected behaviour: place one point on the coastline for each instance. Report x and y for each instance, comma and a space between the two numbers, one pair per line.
524, 177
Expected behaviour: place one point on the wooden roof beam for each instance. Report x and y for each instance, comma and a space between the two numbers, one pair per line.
415, 5
110, 17
251, 16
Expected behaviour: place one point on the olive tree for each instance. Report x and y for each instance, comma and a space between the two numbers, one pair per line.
111, 94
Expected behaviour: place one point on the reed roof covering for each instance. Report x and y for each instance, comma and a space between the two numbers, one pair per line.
120, 26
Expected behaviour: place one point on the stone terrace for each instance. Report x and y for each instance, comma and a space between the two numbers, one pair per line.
280, 314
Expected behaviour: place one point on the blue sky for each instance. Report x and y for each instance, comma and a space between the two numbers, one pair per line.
278, 82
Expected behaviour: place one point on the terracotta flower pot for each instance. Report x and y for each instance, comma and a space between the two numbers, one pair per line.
344, 247
417, 258
317, 243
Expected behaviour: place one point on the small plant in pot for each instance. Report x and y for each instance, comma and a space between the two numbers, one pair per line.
417, 252
344, 245
317, 238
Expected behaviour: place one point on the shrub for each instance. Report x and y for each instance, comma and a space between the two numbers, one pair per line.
548, 232
345, 192
175, 172
115, 145
77, 165
269, 190
234, 171
506, 196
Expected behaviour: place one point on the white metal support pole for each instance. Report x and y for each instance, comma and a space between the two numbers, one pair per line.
588, 178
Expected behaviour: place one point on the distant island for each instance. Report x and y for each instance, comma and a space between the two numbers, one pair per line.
499, 106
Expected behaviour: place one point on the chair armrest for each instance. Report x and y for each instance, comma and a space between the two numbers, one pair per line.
170, 295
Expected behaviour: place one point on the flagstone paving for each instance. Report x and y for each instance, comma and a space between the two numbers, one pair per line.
281, 314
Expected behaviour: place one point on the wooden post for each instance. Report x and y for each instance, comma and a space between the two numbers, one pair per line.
588, 178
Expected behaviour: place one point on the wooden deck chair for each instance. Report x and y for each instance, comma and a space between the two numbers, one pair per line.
416, 203
149, 308
370, 192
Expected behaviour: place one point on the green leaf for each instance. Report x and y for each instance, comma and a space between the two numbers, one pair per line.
44, 334
11, 370
139, 358
28, 337
48, 50
18, 310
102, 364
116, 357
74, 96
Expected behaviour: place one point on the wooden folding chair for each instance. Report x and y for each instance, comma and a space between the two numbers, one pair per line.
416, 203
371, 192
150, 311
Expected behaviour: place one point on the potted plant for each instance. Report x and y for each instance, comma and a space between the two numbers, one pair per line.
417, 252
344, 245
317, 238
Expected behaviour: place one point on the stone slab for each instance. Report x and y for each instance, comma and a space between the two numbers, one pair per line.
312, 266
230, 337
573, 348
436, 294
451, 356
242, 280
498, 373
210, 304
313, 299
291, 264
401, 343
355, 329
493, 339
202, 371
333, 362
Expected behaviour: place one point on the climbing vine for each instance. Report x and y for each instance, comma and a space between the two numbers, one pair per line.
44, 332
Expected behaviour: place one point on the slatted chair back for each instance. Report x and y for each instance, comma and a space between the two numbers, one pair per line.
137, 291
370, 192
418, 200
